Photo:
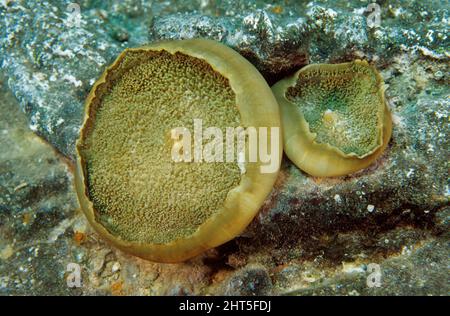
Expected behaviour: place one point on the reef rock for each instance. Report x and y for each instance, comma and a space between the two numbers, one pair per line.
387, 223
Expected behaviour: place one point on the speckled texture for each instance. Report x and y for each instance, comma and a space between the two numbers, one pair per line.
312, 236
139, 192
342, 107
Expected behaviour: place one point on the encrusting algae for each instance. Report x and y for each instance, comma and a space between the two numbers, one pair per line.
128, 185
334, 116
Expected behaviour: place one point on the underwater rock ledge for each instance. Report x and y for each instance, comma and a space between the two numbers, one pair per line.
52, 64
312, 235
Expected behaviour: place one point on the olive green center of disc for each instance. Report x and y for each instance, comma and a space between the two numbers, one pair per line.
139, 193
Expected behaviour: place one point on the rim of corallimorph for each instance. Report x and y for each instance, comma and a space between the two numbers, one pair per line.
300, 143
257, 107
